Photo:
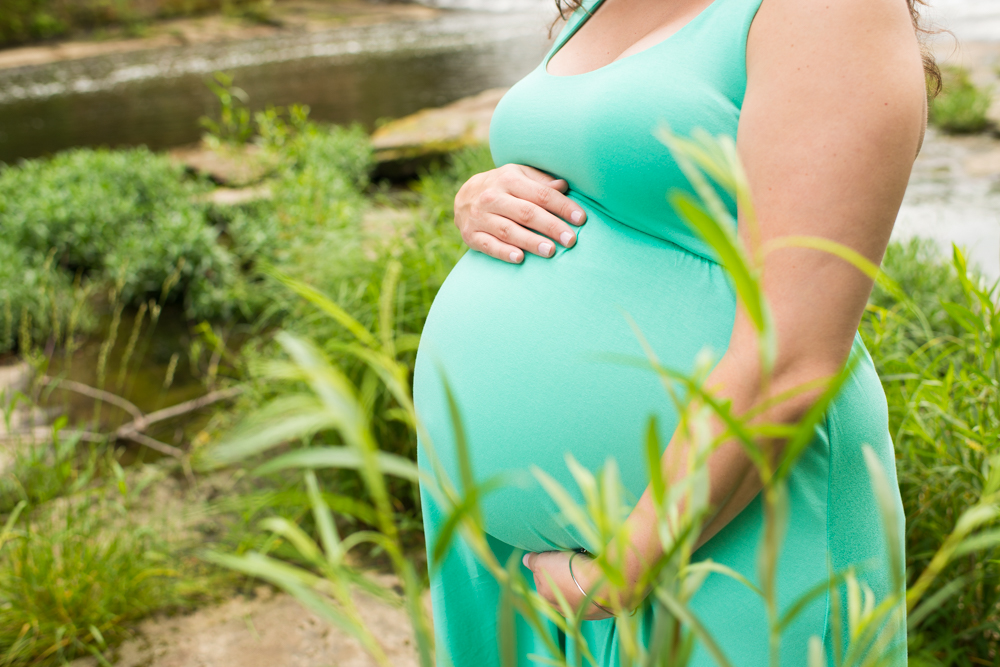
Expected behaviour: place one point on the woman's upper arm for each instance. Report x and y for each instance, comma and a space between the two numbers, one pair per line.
829, 129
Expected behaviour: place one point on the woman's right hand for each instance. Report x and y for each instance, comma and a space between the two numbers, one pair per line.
497, 210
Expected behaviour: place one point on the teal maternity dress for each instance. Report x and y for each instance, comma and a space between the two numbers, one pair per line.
532, 354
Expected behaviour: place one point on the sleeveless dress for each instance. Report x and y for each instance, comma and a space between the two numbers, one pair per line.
532, 353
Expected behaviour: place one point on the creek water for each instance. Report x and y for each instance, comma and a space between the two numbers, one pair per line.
363, 73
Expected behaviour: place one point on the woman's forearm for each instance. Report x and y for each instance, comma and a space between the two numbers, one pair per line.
734, 480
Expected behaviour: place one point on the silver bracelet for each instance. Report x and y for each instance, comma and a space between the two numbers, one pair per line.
583, 592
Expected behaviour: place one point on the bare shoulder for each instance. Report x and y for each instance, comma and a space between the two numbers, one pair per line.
861, 38
840, 21
836, 67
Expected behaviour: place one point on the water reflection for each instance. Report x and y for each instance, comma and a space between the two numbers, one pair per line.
354, 74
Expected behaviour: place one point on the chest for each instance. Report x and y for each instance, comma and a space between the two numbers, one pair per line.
618, 29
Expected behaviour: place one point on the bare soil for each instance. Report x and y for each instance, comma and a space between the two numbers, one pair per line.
263, 630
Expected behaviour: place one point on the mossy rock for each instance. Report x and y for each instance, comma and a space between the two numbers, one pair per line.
405, 145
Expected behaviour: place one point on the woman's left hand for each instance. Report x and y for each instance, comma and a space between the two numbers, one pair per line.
551, 568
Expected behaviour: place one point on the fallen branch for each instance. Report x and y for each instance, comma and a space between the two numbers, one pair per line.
132, 430
145, 421
95, 393
161, 447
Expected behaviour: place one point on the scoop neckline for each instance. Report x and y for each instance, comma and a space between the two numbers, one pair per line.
588, 13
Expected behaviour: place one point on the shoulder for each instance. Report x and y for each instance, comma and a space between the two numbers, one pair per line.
854, 28
837, 58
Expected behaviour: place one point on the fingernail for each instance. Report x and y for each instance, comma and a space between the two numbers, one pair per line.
576, 216
566, 238
544, 249
525, 561
514, 257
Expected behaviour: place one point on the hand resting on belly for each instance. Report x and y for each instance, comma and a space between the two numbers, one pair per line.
497, 209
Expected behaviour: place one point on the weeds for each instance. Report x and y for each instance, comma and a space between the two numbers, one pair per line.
317, 397
73, 577
941, 371
961, 107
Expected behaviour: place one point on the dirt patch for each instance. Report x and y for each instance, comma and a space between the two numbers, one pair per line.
265, 630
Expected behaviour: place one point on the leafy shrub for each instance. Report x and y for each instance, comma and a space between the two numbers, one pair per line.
79, 202
128, 217
962, 106
940, 368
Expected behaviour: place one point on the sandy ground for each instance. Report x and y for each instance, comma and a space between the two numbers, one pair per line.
291, 16
265, 630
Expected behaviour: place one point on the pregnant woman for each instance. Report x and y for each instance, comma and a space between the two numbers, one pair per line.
572, 235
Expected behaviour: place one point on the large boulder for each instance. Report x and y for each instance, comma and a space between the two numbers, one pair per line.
404, 145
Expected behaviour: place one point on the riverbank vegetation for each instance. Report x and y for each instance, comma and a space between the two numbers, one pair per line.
961, 107
346, 269
23, 21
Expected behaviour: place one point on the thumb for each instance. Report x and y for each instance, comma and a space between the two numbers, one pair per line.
528, 561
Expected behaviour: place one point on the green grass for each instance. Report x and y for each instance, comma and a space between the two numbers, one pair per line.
940, 366
315, 250
74, 576
312, 231
936, 352
962, 107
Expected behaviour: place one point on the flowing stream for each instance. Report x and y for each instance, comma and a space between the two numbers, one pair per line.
155, 97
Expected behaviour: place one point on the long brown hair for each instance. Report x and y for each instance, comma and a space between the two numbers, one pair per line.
931, 69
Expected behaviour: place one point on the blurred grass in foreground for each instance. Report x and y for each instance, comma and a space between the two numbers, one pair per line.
352, 297
318, 399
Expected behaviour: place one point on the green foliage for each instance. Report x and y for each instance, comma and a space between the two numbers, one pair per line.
233, 125
73, 577
42, 471
319, 404
940, 366
134, 222
961, 107
36, 299
125, 218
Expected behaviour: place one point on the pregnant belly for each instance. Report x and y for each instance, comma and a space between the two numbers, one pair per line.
544, 362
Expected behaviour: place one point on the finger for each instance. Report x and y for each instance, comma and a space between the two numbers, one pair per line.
536, 175
513, 233
550, 199
528, 215
559, 184
494, 247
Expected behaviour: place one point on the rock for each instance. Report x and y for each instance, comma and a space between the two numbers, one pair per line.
403, 145
231, 166
14, 378
237, 196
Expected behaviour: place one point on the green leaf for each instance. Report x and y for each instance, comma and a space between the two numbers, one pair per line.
340, 457
318, 299
324, 521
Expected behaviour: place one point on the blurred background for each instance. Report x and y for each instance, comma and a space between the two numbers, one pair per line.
182, 180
